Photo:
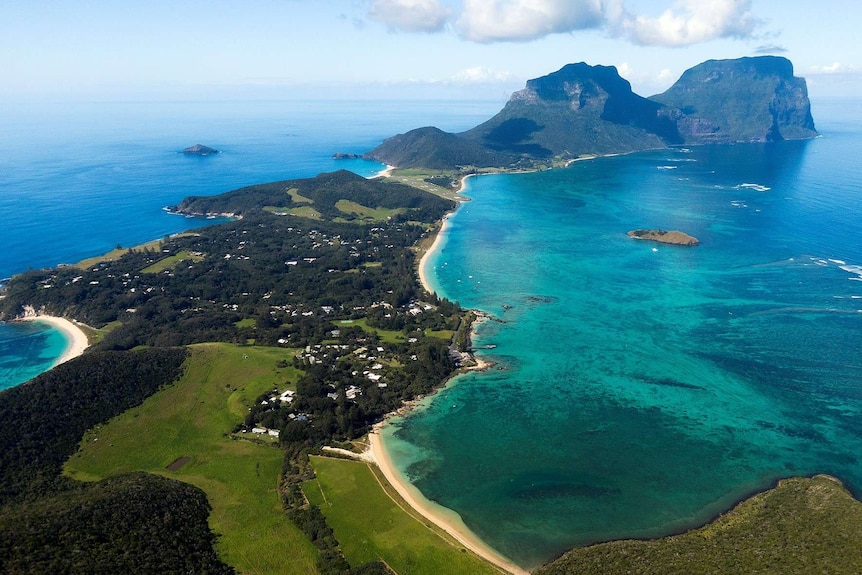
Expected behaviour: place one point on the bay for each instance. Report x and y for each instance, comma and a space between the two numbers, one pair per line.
641, 389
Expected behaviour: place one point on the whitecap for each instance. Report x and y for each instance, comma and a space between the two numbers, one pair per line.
755, 187
839, 262
667, 167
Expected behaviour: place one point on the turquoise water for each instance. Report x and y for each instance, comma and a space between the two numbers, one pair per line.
28, 349
77, 179
641, 389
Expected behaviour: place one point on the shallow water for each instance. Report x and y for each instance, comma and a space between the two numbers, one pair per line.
640, 388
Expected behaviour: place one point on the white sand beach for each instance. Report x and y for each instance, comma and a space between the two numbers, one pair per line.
444, 518
444, 226
78, 341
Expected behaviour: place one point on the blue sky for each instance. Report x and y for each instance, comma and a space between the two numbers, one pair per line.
345, 49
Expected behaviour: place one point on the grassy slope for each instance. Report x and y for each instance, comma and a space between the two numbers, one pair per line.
193, 418
370, 526
803, 526
171, 262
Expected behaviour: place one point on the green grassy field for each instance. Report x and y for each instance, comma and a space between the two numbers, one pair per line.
366, 213
193, 419
370, 526
297, 197
385, 335
300, 212
170, 262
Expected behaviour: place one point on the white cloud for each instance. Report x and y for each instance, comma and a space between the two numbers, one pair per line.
683, 23
480, 74
524, 20
410, 15
833, 68
687, 22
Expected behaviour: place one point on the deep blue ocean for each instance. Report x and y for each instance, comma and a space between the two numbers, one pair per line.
78, 179
641, 389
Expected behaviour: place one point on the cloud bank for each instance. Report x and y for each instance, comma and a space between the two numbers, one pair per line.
683, 23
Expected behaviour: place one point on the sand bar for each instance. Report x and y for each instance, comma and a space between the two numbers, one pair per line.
77, 339
443, 517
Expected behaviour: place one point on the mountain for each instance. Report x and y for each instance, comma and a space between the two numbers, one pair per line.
582, 109
744, 100
579, 109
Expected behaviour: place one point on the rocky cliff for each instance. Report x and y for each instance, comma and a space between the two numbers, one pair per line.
583, 109
743, 100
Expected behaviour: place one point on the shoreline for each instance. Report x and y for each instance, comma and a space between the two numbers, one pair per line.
78, 342
446, 519
443, 517
438, 238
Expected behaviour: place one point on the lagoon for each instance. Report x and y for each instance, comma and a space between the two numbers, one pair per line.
642, 389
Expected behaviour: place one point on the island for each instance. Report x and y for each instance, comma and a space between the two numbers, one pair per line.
200, 150
280, 340
672, 237
583, 110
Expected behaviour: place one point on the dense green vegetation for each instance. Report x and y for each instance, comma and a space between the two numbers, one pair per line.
371, 526
306, 332
183, 432
336, 300
134, 523
803, 526
42, 421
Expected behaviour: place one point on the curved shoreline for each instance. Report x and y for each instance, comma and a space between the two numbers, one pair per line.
77, 341
438, 238
442, 517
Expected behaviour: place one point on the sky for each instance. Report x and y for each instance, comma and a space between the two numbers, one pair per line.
103, 50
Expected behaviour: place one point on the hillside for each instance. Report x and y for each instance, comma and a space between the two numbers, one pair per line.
582, 109
744, 100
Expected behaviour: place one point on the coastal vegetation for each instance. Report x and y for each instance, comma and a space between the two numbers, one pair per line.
350, 334
134, 523
186, 439
802, 526
372, 523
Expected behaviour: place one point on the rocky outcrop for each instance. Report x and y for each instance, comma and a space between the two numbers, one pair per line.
664, 237
200, 150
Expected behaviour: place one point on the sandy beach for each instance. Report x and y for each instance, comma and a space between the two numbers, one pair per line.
423, 262
78, 341
444, 518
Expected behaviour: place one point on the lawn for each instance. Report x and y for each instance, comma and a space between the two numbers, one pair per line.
370, 526
385, 335
191, 421
368, 214
170, 262
297, 197
300, 211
